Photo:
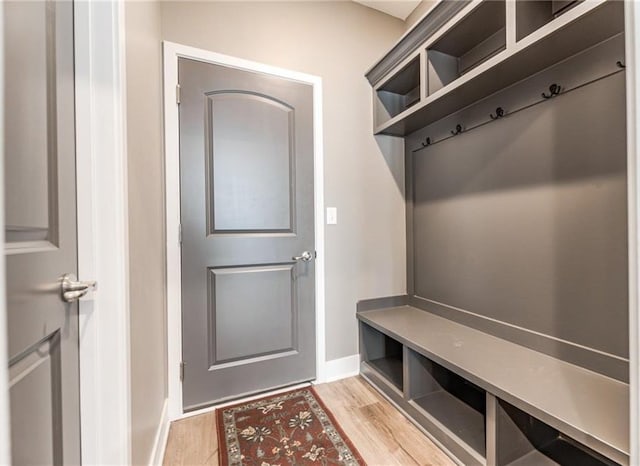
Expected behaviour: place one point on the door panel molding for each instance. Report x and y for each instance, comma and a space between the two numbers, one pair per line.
249, 149
42, 363
34, 228
225, 353
172, 52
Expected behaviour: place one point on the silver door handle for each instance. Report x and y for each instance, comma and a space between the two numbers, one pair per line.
73, 290
306, 256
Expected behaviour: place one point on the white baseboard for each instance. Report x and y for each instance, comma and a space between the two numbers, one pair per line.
162, 434
342, 368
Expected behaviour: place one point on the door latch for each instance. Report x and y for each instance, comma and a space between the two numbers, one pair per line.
72, 289
306, 256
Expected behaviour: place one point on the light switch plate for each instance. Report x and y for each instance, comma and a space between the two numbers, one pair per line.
332, 215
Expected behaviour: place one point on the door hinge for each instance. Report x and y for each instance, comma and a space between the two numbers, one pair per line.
181, 371
180, 233
178, 94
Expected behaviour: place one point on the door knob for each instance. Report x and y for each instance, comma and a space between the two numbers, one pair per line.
306, 256
73, 290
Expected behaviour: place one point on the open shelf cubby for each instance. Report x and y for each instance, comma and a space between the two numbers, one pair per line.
532, 15
476, 38
383, 354
456, 403
523, 440
399, 92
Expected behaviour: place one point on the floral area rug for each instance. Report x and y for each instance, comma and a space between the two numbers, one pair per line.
289, 429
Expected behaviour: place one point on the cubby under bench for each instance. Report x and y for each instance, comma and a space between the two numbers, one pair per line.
488, 401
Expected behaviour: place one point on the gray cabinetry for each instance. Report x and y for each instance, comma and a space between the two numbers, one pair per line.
510, 347
488, 46
476, 394
523, 440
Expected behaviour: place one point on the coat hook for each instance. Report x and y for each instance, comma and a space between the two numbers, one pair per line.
457, 131
554, 90
620, 64
426, 142
499, 113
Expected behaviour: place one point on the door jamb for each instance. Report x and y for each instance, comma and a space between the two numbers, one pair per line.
5, 445
171, 53
101, 167
632, 60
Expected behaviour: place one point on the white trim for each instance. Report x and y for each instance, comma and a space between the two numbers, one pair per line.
511, 24
102, 231
5, 444
342, 368
172, 52
632, 60
162, 435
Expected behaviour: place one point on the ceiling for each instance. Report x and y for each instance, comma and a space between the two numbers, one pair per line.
398, 8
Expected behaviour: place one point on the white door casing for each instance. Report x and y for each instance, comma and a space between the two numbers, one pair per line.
632, 60
172, 52
5, 446
102, 231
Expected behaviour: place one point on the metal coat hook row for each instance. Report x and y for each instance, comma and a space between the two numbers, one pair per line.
499, 113
554, 90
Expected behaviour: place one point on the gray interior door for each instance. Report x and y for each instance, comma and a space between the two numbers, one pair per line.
246, 171
40, 210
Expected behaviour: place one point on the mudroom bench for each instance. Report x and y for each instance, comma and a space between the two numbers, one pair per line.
488, 401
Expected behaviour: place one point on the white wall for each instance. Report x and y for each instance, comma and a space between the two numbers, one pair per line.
339, 41
147, 288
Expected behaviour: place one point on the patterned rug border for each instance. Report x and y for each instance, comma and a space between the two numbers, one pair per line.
222, 450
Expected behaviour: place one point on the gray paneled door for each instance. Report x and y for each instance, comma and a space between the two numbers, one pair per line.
40, 209
247, 213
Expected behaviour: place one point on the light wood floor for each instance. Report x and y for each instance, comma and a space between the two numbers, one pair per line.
381, 434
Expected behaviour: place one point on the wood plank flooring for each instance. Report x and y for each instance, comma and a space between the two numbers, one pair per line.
381, 434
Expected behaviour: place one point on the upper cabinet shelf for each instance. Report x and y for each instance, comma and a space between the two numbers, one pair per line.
531, 16
480, 49
399, 92
473, 40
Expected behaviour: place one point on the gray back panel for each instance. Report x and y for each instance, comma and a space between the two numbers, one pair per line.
524, 220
